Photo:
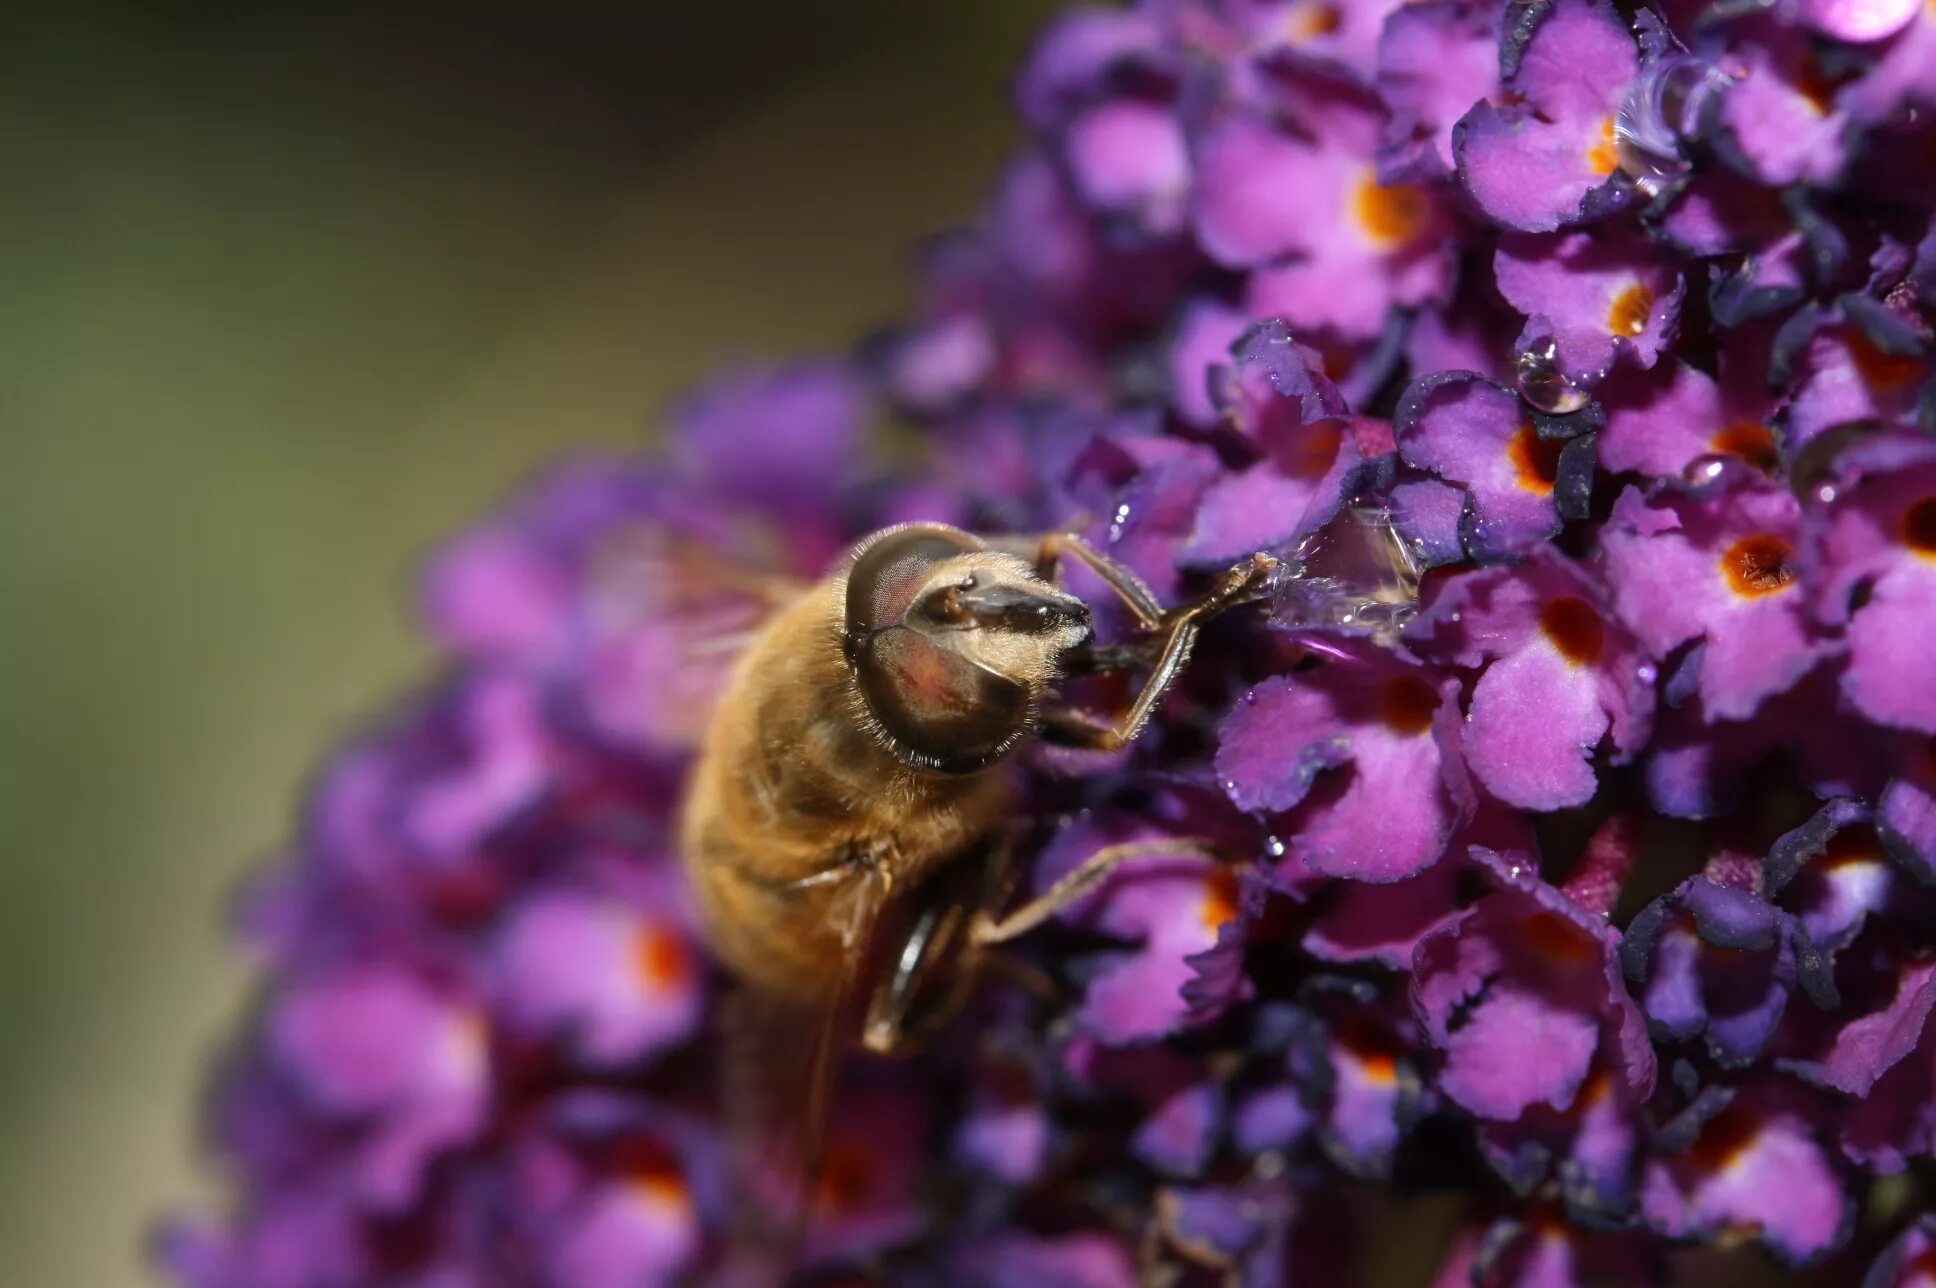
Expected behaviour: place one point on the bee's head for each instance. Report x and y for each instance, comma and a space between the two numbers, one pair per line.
952, 643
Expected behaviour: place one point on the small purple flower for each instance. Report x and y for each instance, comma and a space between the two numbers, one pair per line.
1717, 567
1756, 1165
1360, 759
1874, 545
1595, 295
1522, 993
1532, 162
1560, 673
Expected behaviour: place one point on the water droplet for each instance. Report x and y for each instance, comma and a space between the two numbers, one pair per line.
1274, 846
1705, 471
1663, 107
1647, 672
1825, 493
1458, 617
1536, 369
1118, 521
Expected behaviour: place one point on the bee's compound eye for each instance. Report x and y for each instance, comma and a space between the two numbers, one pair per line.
890, 570
941, 710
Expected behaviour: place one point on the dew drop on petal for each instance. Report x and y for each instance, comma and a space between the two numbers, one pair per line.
1704, 471
1536, 370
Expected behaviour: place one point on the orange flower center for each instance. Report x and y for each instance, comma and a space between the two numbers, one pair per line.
1535, 460
845, 1175
1919, 527
1730, 1134
1555, 938
1408, 706
1852, 846
661, 959
1309, 21
1629, 311
1880, 369
1757, 565
1575, 630
1312, 451
1752, 441
1391, 216
1219, 899
653, 1172
1604, 156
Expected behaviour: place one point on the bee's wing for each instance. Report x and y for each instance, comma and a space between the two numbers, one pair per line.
781, 1063
690, 607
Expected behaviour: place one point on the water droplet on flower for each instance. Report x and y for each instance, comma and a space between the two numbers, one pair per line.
1274, 846
1647, 672
1118, 521
1662, 108
1704, 471
1536, 369
1825, 493
1458, 617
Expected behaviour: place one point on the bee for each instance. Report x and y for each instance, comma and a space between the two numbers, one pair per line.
860, 753
846, 822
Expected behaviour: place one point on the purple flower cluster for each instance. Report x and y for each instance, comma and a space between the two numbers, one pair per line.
1599, 894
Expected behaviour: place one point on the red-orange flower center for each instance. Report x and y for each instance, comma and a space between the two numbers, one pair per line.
1219, 898
1553, 937
1752, 441
661, 958
1535, 460
1604, 156
1409, 705
1391, 216
1729, 1135
1575, 630
1627, 314
1919, 527
1757, 565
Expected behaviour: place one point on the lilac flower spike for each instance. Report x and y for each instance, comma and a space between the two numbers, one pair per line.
1557, 846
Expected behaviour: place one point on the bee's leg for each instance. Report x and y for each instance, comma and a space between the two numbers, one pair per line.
1177, 629
988, 931
1048, 549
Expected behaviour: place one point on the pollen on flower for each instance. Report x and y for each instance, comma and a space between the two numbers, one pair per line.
661, 958
1219, 898
1758, 564
1391, 215
1750, 440
1574, 629
1310, 19
1628, 313
1919, 527
1603, 158
1408, 705
1535, 460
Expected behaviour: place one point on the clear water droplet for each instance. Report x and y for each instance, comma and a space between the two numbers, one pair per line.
1662, 108
1825, 493
1536, 370
1355, 571
1647, 672
1274, 846
1705, 471
1118, 521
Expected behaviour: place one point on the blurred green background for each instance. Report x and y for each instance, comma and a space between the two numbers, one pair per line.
289, 292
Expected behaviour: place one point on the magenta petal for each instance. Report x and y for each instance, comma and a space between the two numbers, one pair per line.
1532, 726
